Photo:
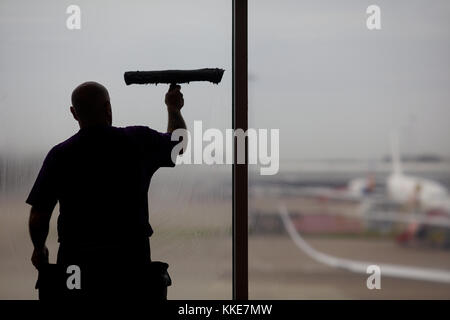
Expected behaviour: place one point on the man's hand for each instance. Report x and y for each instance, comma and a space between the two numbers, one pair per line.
39, 257
174, 99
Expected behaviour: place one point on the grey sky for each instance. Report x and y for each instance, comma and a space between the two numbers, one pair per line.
333, 88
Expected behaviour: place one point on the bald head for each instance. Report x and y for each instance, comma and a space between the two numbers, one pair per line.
91, 105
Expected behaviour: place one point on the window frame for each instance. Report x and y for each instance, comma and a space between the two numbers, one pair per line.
240, 171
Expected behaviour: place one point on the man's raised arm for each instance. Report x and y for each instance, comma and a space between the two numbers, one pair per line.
174, 101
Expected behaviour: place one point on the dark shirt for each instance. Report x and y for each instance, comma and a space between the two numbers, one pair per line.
101, 176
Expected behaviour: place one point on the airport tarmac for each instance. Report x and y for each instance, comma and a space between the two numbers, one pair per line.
193, 235
200, 266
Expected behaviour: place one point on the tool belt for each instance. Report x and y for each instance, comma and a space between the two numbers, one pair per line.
60, 282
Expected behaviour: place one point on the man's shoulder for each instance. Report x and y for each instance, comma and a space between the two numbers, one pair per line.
140, 131
137, 129
66, 144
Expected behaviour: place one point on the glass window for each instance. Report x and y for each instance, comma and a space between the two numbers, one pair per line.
341, 96
42, 61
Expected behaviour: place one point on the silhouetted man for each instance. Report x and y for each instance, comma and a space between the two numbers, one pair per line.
100, 177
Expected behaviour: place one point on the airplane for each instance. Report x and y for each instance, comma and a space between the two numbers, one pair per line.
356, 190
405, 189
421, 205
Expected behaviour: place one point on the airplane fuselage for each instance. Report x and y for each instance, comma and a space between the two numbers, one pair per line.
406, 189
